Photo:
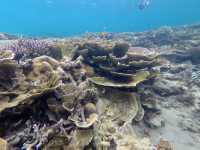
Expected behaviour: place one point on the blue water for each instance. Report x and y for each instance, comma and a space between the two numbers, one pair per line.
72, 17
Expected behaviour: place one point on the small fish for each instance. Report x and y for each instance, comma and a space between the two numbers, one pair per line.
144, 4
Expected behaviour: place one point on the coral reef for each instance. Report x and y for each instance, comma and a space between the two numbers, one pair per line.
31, 48
53, 104
119, 69
42, 91
132, 64
174, 96
111, 91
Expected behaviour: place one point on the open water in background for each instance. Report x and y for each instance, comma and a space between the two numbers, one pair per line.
72, 17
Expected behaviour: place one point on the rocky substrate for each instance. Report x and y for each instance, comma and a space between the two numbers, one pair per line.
131, 91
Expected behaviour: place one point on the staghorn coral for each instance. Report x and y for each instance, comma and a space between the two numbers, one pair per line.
31, 48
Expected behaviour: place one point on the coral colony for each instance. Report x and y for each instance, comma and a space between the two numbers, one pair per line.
97, 93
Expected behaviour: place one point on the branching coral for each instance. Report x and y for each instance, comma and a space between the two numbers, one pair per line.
31, 48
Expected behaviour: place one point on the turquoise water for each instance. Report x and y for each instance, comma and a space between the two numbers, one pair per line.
71, 17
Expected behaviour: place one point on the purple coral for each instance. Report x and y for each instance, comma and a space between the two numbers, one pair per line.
31, 48
29, 45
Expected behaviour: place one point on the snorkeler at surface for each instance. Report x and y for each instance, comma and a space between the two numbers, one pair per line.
144, 4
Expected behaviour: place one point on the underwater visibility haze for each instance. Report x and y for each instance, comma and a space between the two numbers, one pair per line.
99, 74
72, 17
